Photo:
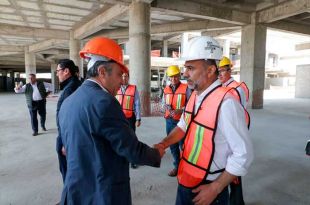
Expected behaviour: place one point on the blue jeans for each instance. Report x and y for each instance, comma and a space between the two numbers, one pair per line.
175, 148
185, 196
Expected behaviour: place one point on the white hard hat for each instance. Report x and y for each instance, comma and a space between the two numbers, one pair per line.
202, 47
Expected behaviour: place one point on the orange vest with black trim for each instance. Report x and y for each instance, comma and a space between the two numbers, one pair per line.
235, 84
198, 148
176, 100
244, 87
127, 100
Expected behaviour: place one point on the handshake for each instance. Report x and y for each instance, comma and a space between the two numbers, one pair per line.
161, 148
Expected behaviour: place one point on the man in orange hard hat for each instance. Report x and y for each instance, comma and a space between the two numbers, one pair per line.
98, 140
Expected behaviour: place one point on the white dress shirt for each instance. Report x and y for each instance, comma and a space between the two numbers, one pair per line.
35, 94
240, 91
233, 147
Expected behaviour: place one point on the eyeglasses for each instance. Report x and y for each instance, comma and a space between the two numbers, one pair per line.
224, 70
57, 70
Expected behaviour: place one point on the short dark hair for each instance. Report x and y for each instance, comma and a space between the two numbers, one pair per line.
67, 63
93, 71
213, 62
32, 74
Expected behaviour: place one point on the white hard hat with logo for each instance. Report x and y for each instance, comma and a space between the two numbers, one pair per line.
202, 47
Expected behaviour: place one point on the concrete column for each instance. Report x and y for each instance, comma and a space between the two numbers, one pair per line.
55, 81
165, 48
184, 42
16, 75
75, 47
302, 83
226, 48
252, 65
30, 63
139, 51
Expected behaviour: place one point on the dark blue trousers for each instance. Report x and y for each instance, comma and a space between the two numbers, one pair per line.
37, 107
175, 148
185, 196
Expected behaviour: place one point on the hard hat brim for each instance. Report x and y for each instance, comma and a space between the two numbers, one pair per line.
123, 67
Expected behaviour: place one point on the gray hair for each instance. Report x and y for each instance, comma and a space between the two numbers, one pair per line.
94, 71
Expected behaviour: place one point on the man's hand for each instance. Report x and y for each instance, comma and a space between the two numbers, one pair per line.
63, 151
160, 148
206, 194
138, 123
178, 111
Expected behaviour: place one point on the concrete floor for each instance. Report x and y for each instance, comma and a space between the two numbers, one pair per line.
280, 173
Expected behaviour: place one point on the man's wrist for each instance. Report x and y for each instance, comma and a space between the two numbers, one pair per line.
139, 120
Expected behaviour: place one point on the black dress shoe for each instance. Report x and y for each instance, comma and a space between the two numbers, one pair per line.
44, 129
35, 134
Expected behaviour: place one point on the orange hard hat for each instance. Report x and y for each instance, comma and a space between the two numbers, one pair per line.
105, 47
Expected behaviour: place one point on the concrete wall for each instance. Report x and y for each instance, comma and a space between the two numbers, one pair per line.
302, 81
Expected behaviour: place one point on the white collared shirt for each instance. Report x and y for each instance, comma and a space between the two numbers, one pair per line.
233, 147
35, 94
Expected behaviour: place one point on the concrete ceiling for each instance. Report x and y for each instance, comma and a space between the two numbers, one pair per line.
45, 25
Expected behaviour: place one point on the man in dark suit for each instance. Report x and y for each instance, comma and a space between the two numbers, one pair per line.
98, 140
36, 93
69, 82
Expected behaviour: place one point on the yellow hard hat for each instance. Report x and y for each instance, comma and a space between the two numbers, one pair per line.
225, 61
173, 70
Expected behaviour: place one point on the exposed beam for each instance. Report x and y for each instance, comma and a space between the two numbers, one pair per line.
219, 32
283, 10
9, 48
48, 44
302, 46
101, 21
172, 28
290, 27
202, 11
24, 31
9, 53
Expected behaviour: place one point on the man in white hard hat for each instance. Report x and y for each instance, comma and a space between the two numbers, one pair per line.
217, 147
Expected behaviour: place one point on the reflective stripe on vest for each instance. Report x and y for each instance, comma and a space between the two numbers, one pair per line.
198, 148
176, 100
235, 84
126, 100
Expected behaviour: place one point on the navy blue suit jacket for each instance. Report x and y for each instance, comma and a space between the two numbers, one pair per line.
99, 144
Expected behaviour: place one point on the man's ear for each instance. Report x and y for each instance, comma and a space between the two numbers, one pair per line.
101, 71
212, 69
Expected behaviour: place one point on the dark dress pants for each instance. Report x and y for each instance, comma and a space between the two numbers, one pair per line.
185, 196
37, 107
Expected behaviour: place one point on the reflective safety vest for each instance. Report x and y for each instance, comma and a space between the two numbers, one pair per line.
198, 148
244, 87
175, 100
127, 99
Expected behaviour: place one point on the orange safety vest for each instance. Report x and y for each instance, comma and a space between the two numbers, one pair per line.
176, 100
126, 100
235, 84
244, 87
198, 148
